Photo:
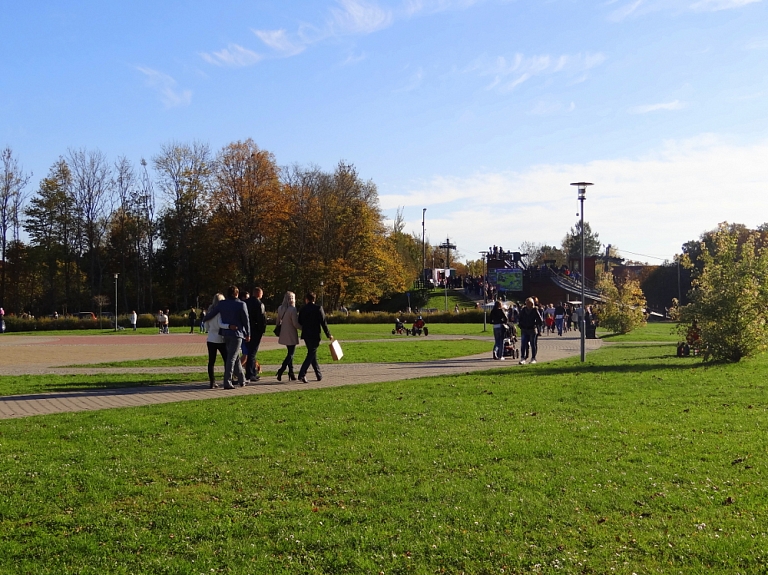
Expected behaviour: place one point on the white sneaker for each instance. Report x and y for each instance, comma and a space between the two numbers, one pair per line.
523, 362
533, 361
502, 358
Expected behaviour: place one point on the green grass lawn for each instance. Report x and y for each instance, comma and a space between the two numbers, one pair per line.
634, 462
401, 350
437, 300
654, 331
340, 331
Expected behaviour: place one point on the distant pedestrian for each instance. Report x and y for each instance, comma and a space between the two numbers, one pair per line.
134, 318
288, 320
215, 342
312, 319
529, 321
235, 328
192, 320
499, 321
258, 319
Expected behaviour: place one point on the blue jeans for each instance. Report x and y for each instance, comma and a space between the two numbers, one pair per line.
528, 337
233, 366
498, 340
559, 326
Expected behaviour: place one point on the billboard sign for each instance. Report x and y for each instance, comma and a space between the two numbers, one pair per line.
509, 279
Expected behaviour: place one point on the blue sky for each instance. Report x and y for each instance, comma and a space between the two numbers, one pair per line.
481, 111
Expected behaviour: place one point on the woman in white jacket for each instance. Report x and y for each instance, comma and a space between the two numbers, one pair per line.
288, 319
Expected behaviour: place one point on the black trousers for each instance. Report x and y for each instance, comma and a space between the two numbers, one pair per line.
212, 349
311, 359
253, 348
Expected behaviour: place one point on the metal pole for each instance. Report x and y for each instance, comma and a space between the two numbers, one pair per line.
679, 293
423, 248
485, 294
583, 316
582, 187
116, 301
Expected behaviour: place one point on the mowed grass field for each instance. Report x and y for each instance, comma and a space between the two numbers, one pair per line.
634, 462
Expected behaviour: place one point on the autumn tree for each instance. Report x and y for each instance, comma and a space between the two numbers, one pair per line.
727, 300
247, 210
623, 307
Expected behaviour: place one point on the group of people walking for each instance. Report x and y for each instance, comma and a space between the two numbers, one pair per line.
533, 319
529, 320
233, 324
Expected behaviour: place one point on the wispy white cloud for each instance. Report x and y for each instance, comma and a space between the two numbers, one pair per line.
635, 8
345, 18
758, 44
650, 204
665, 106
549, 108
413, 82
234, 55
716, 5
507, 74
625, 11
359, 17
165, 85
411, 7
279, 41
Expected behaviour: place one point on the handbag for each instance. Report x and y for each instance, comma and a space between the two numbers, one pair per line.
335, 348
279, 325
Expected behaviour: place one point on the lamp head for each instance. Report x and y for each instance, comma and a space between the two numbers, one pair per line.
582, 187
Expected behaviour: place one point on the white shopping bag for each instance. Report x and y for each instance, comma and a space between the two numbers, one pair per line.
336, 352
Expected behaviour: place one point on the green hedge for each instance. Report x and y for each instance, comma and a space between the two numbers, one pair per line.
470, 316
16, 324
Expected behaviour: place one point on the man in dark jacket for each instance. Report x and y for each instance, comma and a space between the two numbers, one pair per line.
312, 318
529, 322
258, 327
235, 327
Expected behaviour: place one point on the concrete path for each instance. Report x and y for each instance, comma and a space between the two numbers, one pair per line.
38, 355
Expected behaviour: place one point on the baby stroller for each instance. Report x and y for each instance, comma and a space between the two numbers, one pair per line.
419, 326
510, 341
399, 327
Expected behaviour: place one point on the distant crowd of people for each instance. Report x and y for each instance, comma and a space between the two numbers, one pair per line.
534, 320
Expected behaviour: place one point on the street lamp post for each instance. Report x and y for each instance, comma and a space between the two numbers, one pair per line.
485, 294
322, 293
423, 248
116, 275
447, 246
582, 187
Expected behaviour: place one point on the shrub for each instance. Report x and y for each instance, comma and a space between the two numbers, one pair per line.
623, 308
728, 298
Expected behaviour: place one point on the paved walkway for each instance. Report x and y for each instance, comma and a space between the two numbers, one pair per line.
41, 354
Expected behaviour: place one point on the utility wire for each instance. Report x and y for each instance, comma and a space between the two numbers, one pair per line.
645, 255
